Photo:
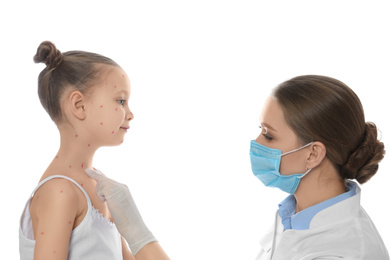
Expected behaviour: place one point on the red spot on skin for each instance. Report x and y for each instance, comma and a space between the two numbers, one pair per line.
54, 252
115, 86
82, 165
70, 166
112, 132
56, 157
101, 123
76, 136
62, 191
123, 75
121, 141
42, 233
89, 145
116, 109
101, 106
70, 222
82, 185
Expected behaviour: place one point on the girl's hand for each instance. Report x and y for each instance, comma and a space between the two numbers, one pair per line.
126, 216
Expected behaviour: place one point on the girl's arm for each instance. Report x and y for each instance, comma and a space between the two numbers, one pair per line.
53, 211
152, 251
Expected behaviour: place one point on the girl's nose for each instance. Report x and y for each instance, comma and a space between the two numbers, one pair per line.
130, 116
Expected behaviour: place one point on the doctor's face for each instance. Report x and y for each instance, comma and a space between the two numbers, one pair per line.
277, 134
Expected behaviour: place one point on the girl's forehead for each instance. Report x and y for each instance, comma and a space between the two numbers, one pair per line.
115, 79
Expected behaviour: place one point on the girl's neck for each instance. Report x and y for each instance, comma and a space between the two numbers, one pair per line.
73, 157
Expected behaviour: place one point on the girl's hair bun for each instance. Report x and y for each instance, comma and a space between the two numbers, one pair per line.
48, 54
71, 69
363, 162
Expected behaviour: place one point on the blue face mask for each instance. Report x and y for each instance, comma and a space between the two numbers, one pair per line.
265, 166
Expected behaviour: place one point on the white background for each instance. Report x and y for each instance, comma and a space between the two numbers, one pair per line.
200, 71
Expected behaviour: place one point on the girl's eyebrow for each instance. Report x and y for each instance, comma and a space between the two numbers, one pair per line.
123, 92
268, 126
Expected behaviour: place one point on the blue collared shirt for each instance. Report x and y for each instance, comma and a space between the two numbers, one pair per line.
302, 219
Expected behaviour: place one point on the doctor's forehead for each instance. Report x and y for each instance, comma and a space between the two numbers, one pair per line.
272, 115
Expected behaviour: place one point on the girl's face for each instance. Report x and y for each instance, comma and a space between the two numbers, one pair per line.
276, 134
108, 113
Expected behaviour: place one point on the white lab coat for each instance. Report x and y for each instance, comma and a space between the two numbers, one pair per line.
341, 231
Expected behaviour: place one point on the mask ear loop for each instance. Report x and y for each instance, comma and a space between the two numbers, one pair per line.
296, 149
305, 174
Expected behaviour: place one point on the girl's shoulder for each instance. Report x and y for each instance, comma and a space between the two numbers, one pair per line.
54, 194
57, 200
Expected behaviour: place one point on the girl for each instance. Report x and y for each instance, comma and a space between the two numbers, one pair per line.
314, 142
86, 95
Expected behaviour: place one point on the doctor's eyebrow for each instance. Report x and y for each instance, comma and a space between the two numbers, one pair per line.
268, 126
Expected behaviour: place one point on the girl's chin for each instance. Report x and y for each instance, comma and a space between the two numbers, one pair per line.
116, 143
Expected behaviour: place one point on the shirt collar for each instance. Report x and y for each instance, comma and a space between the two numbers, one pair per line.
302, 219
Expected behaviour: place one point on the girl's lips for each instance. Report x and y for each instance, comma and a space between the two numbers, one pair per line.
125, 128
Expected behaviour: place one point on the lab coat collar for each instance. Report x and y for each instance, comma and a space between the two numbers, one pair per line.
302, 219
348, 208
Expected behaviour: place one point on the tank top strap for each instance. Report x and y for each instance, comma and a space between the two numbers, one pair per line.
67, 178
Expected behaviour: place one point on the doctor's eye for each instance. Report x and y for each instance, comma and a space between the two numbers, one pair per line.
264, 131
121, 101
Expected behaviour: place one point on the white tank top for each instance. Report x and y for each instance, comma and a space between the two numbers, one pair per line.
94, 238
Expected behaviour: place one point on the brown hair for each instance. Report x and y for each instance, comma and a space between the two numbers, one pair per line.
77, 69
324, 109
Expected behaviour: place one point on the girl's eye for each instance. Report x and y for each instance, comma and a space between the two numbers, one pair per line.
121, 101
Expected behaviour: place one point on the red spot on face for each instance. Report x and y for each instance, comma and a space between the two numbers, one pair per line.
70, 222
54, 252
101, 123
123, 75
115, 86
121, 141
70, 166
82, 185
82, 165
42, 233
116, 109
62, 191
89, 145
56, 157
101, 106
112, 132
76, 136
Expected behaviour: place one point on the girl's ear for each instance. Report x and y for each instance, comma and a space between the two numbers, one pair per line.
317, 154
77, 105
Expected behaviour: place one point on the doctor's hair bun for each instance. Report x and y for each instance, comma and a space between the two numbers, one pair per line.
362, 164
48, 54
324, 109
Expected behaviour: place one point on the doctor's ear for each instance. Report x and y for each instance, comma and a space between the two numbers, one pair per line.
77, 104
317, 154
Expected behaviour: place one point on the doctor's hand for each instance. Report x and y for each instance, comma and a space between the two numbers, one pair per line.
126, 216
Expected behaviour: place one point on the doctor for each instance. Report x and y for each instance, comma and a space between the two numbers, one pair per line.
314, 141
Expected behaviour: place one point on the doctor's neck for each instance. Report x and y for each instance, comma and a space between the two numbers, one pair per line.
321, 184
